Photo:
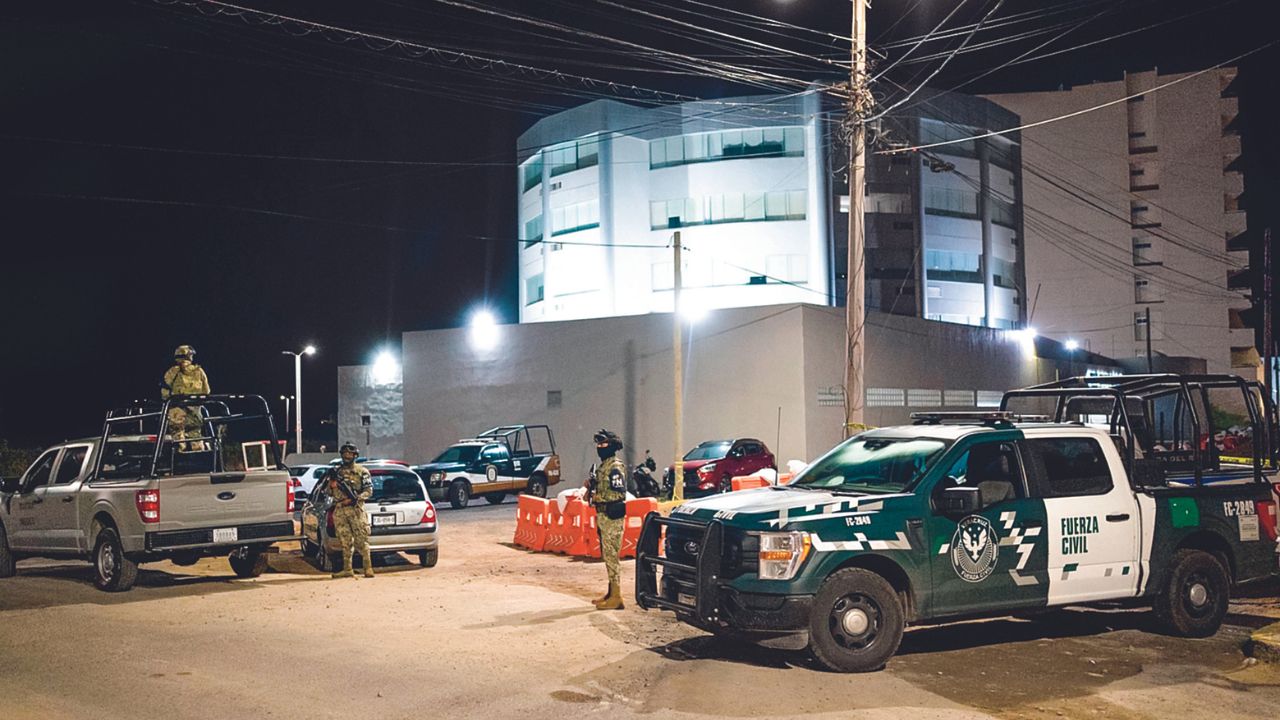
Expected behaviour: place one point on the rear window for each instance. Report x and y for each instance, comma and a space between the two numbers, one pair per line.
1067, 467
396, 487
297, 471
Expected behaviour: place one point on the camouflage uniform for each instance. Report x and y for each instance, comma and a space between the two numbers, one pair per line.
349, 520
185, 378
611, 486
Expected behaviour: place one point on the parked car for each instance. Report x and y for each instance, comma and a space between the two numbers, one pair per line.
401, 519
711, 466
304, 478
137, 494
511, 458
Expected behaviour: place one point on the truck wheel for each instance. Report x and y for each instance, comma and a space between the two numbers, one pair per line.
248, 562
538, 486
856, 622
428, 558
1194, 599
8, 565
495, 498
112, 571
459, 494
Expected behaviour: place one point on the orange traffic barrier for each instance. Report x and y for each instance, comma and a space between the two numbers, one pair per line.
785, 478
560, 526
531, 522
637, 510
748, 482
586, 542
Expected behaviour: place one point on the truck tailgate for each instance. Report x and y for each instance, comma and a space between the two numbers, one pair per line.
222, 500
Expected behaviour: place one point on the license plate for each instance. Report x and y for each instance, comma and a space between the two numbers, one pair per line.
384, 519
225, 535
686, 599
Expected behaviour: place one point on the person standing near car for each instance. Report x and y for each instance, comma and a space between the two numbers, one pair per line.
184, 377
350, 484
608, 495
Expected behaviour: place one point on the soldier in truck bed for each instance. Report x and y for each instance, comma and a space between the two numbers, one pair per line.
184, 377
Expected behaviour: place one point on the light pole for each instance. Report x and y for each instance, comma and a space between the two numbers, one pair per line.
297, 391
286, 399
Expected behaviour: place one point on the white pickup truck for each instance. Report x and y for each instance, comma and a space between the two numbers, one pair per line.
137, 494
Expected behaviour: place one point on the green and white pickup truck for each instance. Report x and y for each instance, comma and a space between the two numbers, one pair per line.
138, 493
979, 514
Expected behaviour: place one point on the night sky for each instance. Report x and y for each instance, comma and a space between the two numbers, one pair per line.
169, 176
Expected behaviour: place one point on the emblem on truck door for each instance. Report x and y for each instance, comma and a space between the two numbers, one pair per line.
975, 549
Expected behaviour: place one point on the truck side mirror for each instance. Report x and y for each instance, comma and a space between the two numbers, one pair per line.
961, 500
9, 485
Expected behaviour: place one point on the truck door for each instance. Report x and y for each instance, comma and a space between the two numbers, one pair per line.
57, 518
1092, 515
27, 506
993, 559
496, 461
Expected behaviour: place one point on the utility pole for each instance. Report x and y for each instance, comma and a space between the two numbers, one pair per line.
1148, 316
860, 101
677, 468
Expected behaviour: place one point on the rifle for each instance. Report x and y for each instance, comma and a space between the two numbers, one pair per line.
332, 475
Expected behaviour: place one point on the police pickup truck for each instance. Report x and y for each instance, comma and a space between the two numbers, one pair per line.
1114, 496
502, 460
145, 490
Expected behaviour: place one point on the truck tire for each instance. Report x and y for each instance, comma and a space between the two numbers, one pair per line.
495, 498
8, 564
856, 623
459, 494
428, 558
537, 486
1194, 598
112, 571
248, 562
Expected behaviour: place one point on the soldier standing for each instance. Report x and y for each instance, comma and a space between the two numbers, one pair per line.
350, 485
609, 497
185, 377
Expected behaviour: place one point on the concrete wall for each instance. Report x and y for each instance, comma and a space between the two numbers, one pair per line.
769, 372
361, 393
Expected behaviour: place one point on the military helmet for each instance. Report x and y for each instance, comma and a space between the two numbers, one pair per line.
607, 437
348, 447
184, 351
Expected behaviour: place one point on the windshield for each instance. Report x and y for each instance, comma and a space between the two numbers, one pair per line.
709, 451
873, 465
396, 487
459, 454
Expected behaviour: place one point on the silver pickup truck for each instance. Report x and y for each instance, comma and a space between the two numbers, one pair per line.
180, 480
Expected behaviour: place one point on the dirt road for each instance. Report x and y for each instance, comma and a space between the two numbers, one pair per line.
495, 632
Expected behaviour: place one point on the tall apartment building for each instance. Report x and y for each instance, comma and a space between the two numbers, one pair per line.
756, 187
1134, 224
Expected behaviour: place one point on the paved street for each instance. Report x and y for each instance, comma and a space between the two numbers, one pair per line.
494, 631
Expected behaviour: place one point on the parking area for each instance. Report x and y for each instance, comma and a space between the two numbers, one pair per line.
494, 631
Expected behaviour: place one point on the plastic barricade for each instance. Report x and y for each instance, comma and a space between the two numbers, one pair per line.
637, 510
748, 482
786, 478
586, 542
531, 522
560, 526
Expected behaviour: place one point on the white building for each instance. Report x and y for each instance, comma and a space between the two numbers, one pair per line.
760, 201
1135, 208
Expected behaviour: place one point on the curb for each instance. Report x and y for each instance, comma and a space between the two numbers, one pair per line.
1264, 644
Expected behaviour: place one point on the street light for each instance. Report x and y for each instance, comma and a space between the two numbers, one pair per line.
1071, 345
297, 391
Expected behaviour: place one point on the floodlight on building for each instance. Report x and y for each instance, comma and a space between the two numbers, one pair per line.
386, 368
484, 330
1071, 345
693, 311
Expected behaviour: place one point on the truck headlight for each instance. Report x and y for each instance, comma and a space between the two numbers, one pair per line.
781, 554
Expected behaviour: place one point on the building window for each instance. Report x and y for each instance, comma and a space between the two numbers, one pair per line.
934, 131
728, 208
1145, 251
988, 398
531, 171
555, 398
958, 398
951, 201
1004, 273
1140, 328
572, 218
903, 225
1000, 152
918, 397
786, 268
726, 145
953, 266
534, 289
1144, 291
1003, 213
532, 234
574, 155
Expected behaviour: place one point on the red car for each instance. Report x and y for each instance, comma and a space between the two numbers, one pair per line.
710, 467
